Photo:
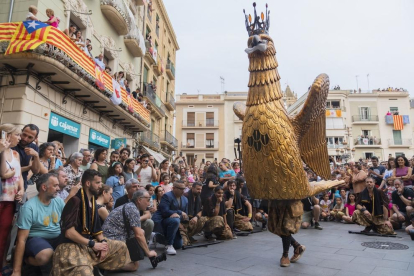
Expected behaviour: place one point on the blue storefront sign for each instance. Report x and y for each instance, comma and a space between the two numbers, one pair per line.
118, 142
98, 138
64, 125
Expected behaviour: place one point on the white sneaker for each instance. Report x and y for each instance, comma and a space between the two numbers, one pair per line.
169, 249
152, 241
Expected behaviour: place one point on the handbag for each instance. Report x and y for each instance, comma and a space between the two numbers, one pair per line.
136, 253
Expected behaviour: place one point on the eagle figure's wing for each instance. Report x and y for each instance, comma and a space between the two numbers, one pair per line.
310, 128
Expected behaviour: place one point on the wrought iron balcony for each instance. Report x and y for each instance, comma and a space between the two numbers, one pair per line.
156, 103
367, 142
150, 139
157, 67
170, 70
116, 12
151, 52
170, 101
206, 145
135, 42
209, 123
170, 139
365, 118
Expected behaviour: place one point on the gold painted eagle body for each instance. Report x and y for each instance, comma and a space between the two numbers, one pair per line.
275, 145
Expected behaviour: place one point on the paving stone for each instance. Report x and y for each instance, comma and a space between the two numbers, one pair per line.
381, 263
357, 253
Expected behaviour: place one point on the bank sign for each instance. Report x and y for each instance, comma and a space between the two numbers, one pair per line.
98, 138
64, 125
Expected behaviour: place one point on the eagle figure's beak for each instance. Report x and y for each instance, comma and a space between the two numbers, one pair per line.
257, 45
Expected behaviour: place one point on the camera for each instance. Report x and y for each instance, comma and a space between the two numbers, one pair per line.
155, 260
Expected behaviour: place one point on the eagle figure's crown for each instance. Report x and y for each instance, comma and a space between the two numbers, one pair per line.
257, 27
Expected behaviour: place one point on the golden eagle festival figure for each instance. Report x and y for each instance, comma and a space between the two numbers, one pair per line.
275, 146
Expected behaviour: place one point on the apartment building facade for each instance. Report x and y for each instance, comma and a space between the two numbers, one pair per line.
357, 124
52, 89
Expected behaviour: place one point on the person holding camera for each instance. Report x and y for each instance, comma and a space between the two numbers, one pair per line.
146, 172
124, 223
171, 211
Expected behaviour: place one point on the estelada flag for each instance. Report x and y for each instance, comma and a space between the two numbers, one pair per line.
99, 77
116, 96
27, 36
398, 122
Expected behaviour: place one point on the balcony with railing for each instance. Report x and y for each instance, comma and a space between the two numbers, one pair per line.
135, 42
150, 139
156, 103
157, 67
400, 143
151, 52
149, 13
170, 140
170, 70
371, 142
208, 145
209, 123
336, 146
404, 119
365, 119
170, 101
71, 72
116, 12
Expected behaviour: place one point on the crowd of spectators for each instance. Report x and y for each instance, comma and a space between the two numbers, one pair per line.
170, 203
393, 89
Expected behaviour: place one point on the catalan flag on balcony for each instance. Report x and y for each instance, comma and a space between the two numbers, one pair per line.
27, 36
333, 113
398, 122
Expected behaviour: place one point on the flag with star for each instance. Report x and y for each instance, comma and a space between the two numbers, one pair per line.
27, 36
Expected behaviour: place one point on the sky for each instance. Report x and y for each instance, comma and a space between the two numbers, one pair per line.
343, 39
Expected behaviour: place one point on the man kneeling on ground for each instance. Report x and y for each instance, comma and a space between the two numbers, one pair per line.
196, 222
84, 246
115, 228
39, 228
372, 210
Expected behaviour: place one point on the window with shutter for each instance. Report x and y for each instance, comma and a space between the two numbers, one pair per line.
191, 119
209, 118
190, 140
209, 140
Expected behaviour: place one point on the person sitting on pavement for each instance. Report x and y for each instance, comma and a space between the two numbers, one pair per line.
114, 227
196, 221
372, 210
39, 226
234, 202
311, 213
402, 210
63, 181
103, 198
82, 237
171, 211
215, 210
147, 224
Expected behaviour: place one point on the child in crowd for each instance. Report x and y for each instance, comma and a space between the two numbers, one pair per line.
53, 20
153, 205
338, 211
165, 182
116, 180
349, 208
389, 189
31, 15
325, 205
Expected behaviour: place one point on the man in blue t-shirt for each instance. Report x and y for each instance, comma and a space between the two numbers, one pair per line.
225, 173
376, 172
39, 226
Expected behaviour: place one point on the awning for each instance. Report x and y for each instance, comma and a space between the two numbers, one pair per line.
158, 156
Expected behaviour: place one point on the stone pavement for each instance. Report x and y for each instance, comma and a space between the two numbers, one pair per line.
329, 252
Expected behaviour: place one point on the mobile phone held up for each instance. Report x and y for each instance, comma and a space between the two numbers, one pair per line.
3, 135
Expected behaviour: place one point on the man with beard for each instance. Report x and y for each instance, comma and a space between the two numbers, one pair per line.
196, 222
83, 244
39, 228
235, 205
63, 182
28, 151
372, 210
124, 155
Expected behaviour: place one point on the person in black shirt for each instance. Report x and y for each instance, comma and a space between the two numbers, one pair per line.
376, 172
402, 210
311, 210
28, 151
